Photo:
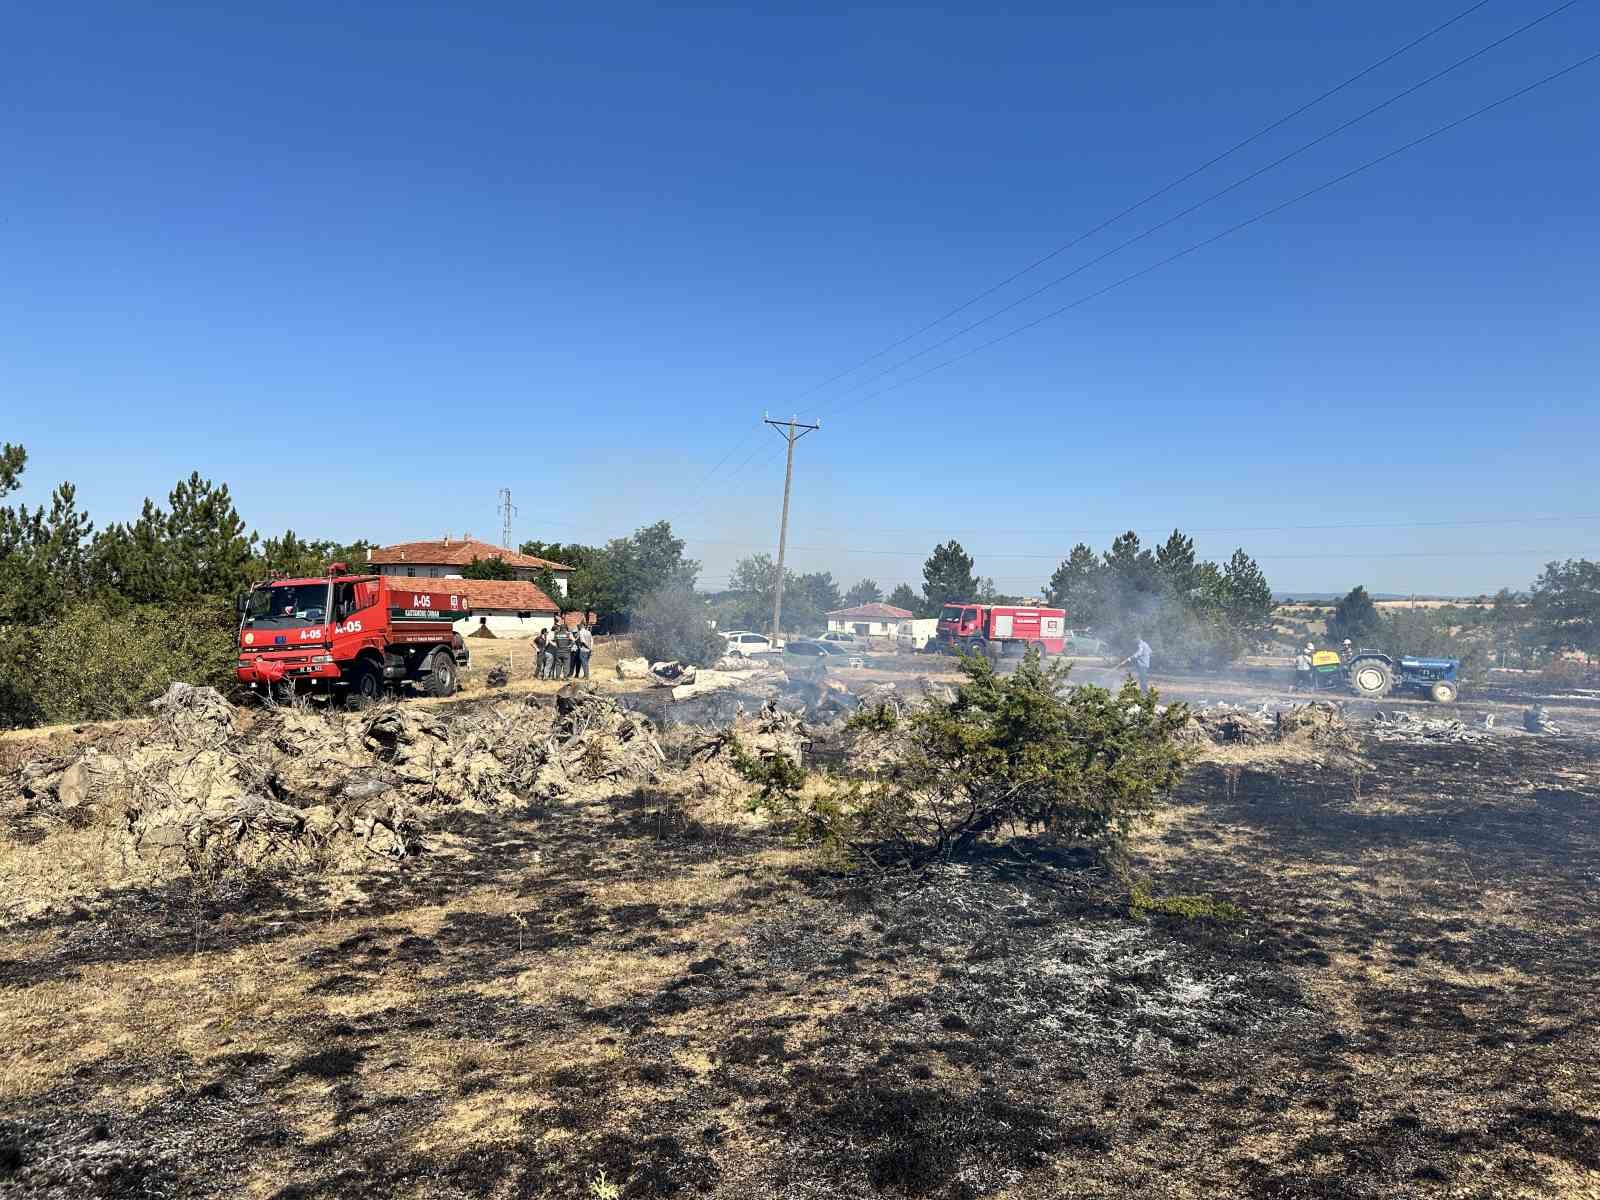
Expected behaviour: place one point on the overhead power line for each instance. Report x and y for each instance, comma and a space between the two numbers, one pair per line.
1112, 220
1216, 195
1155, 195
1236, 227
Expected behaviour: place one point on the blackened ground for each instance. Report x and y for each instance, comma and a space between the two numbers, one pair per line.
577, 1001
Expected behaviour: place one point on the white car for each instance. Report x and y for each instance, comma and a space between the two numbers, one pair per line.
746, 644
838, 638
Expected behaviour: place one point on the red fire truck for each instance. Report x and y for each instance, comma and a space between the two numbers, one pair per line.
1002, 629
359, 634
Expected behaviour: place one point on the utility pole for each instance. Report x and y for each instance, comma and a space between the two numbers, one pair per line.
507, 511
791, 431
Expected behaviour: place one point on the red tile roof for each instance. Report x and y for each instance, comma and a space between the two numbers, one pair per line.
457, 552
871, 612
513, 595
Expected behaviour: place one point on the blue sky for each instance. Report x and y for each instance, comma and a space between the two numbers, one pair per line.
370, 263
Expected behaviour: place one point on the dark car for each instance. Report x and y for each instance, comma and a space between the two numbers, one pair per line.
823, 654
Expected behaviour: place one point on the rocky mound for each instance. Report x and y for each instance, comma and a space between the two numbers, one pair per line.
294, 787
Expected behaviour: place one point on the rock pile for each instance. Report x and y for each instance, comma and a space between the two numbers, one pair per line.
1406, 727
293, 787
1317, 724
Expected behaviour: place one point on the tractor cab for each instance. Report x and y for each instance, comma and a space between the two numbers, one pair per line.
1327, 671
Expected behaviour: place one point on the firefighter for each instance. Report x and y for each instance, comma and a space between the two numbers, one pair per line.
1302, 669
546, 656
562, 643
1140, 661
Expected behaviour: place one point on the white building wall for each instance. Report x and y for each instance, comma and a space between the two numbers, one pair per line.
507, 624
874, 628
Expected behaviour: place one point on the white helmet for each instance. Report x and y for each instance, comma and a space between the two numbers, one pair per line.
1311, 646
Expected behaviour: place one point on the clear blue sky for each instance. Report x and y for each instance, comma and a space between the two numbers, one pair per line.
370, 263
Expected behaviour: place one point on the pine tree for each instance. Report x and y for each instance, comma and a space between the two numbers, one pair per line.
1176, 562
1248, 606
1355, 617
947, 577
1076, 587
904, 597
209, 550
865, 592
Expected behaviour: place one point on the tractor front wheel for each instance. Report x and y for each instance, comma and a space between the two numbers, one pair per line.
1371, 678
1444, 692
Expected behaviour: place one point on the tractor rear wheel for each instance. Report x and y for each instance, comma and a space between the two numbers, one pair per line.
1443, 692
1371, 678
441, 678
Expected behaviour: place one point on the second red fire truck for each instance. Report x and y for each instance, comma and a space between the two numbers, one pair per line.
1002, 629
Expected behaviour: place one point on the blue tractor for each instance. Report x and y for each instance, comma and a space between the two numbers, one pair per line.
1372, 675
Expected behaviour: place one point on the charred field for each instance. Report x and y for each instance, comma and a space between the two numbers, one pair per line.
603, 995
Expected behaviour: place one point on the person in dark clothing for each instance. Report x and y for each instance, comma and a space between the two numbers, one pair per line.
541, 650
562, 644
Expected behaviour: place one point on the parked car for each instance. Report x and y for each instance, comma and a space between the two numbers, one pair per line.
745, 644
818, 653
1085, 645
838, 637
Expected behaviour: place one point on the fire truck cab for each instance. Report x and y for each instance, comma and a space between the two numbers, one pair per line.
361, 635
1002, 629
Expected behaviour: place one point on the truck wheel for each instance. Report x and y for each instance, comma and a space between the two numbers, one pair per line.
441, 677
366, 684
1039, 646
1444, 692
1371, 678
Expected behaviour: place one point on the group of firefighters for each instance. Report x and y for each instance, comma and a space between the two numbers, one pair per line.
564, 651
1310, 659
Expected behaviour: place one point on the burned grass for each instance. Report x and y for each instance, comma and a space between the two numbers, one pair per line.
578, 995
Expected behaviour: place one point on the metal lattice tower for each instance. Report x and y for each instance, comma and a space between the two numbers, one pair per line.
507, 511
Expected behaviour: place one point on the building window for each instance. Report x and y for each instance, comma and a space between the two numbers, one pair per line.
411, 571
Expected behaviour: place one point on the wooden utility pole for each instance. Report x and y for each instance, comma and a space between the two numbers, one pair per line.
791, 431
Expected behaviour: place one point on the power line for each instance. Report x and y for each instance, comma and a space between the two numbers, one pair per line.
1217, 237
1234, 228
1111, 220
1155, 195
1216, 195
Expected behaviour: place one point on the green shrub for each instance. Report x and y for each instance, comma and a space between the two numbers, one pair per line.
1012, 753
777, 776
1142, 904
96, 661
674, 625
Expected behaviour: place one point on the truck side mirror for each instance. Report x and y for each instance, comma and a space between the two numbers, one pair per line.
241, 602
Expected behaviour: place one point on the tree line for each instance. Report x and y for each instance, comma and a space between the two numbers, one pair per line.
1191, 611
1554, 625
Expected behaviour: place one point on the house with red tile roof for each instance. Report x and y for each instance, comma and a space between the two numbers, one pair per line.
506, 607
868, 620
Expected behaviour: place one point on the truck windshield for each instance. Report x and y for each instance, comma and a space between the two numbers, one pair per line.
287, 606
952, 612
